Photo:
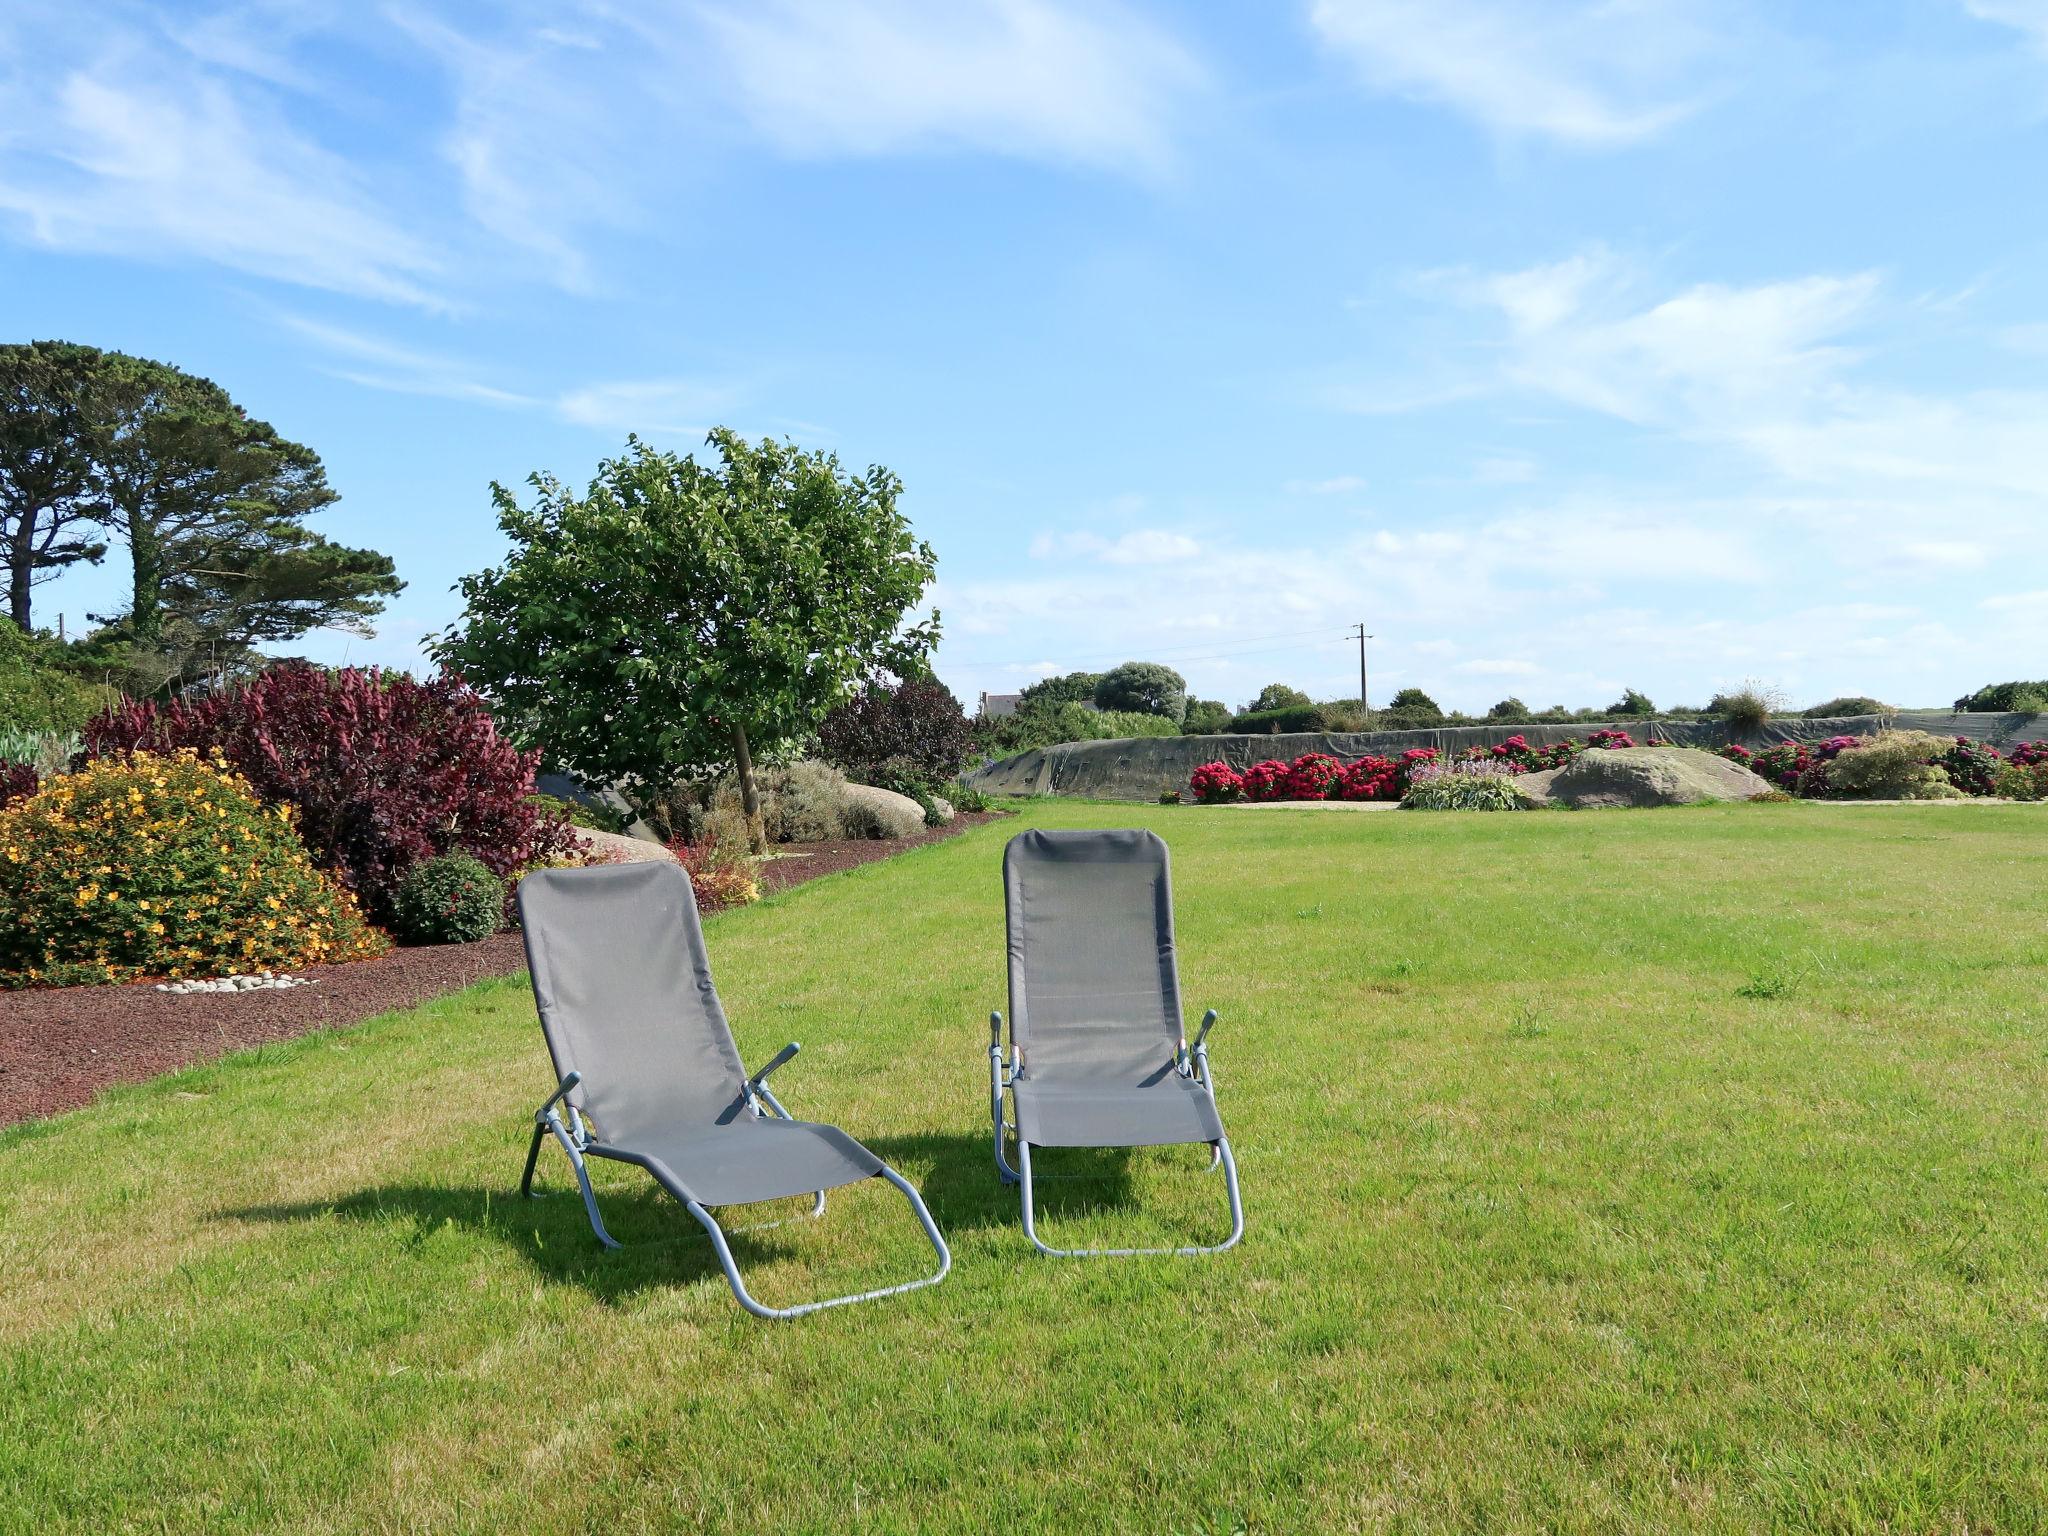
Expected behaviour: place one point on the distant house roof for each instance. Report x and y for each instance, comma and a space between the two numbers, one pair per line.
994, 705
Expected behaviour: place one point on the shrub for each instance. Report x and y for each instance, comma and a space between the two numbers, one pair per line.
1632, 703
1749, 708
163, 865
2028, 753
1370, 778
1265, 781
966, 797
1205, 717
1277, 696
720, 863
2006, 698
903, 778
35, 695
2021, 781
1169, 797
1612, 741
918, 723
1216, 784
1311, 777
1144, 688
449, 899
1071, 688
1852, 704
1970, 765
383, 770
17, 782
1288, 720
1524, 758
1894, 765
598, 818
1047, 727
1510, 709
1471, 786
801, 802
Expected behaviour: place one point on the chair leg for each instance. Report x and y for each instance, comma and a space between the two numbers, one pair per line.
1222, 1153
1004, 1171
553, 1123
739, 1288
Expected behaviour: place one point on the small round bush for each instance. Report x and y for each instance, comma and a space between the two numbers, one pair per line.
1893, 765
145, 865
450, 899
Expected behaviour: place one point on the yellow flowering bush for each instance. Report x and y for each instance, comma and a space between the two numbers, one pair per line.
145, 865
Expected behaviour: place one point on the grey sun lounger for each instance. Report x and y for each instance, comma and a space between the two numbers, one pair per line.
648, 1071
1098, 1053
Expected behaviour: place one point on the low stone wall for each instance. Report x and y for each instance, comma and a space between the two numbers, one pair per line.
1139, 769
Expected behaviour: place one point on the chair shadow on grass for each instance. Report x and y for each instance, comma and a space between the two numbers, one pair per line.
662, 1244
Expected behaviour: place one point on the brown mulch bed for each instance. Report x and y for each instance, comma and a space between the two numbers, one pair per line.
59, 1048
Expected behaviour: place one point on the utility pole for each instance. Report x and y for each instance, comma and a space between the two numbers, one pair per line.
1364, 697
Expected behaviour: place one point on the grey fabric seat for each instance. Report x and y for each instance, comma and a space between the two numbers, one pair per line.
1098, 1053
648, 1072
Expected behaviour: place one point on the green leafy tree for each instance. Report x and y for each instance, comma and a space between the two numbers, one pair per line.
1510, 709
679, 617
1205, 717
1278, 696
1632, 703
48, 511
1143, 688
1069, 688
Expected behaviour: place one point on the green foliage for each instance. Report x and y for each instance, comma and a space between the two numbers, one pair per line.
168, 865
1143, 688
2016, 781
1048, 727
966, 797
2006, 698
1411, 709
1069, 688
1286, 720
801, 802
48, 513
1746, 710
211, 504
1463, 792
1893, 765
450, 899
1510, 709
35, 695
908, 777
579, 813
659, 625
1205, 717
1852, 704
1632, 703
1277, 696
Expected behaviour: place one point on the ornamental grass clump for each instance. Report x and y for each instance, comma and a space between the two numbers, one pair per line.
151, 865
1468, 786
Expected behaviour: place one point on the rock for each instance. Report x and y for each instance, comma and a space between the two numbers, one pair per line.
1641, 776
944, 806
630, 850
873, 812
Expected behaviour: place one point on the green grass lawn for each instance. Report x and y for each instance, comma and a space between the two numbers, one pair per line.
1619, 1171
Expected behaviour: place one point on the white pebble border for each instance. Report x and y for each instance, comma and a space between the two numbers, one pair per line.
266, 980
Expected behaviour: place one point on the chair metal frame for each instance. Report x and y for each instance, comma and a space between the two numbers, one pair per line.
577, 1141
1189, 1062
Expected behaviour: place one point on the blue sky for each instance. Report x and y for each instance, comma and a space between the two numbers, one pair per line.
1570, 345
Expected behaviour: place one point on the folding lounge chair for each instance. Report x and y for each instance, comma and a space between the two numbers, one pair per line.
641, 1047
1098, 1053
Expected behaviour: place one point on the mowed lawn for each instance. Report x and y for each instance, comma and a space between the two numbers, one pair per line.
1616, 1171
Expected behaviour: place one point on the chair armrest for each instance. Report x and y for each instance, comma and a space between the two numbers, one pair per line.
754, 1083
568, 1083
1185, 1059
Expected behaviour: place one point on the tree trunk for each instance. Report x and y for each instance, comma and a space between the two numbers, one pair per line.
750, 798
146, 610
20, 572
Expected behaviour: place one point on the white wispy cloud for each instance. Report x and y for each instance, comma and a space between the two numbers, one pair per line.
1094, 84
111, 147
1596, 73
2028, 16
1336, 485
379, 364
654, 408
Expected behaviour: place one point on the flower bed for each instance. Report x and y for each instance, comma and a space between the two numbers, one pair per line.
1800, 768
1319, 776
